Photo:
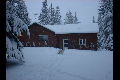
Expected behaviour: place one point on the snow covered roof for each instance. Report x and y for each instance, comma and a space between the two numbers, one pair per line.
74, 28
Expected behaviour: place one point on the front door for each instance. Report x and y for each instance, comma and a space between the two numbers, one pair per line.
65, 43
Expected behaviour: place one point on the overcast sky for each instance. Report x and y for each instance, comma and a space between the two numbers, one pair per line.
85, 9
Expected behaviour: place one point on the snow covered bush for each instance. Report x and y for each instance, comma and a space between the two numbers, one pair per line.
15, 25
105, 23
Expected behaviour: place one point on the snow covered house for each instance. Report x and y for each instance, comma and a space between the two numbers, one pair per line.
71, 36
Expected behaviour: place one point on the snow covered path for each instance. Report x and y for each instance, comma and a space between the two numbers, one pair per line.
46, 64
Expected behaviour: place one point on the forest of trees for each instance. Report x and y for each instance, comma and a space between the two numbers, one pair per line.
105, 23
52, 16
17, 21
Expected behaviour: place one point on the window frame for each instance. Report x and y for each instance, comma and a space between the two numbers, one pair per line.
83, 41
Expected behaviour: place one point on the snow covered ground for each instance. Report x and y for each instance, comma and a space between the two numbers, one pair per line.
45, 64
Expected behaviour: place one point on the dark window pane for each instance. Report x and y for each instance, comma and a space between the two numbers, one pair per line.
65, 41
65, 45
84, 41
81, 41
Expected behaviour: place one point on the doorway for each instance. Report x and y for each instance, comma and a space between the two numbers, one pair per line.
65, 43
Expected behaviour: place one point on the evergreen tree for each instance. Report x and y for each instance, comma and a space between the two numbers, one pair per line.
57, 16
93, 19
105, 23
69, 19
66, 18
14, 26
75, 19
51, 15
44, 18
22, 12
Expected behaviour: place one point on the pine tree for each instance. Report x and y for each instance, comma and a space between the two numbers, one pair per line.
93, 19
51, 15
57, 16
105, 23
43, 18
22, 12
66, 18
75, 19
14, 26
69, 19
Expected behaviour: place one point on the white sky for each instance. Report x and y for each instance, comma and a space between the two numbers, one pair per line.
85, 9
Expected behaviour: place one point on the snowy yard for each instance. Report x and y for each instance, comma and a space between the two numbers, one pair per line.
45, 64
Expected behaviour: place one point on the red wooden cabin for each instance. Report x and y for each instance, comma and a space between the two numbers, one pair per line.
71, 36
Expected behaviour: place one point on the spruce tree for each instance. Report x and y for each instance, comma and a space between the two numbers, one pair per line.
105, 23
57, 16
15, 25
75, 19
22, 12
93, 19
43, 18
51, 15
66, 18
69, 19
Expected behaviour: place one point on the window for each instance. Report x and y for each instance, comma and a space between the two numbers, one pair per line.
65, 40
43, 37
65, 45
82, 41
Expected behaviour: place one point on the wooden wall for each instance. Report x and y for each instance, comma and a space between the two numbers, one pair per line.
56, 40
74, 40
